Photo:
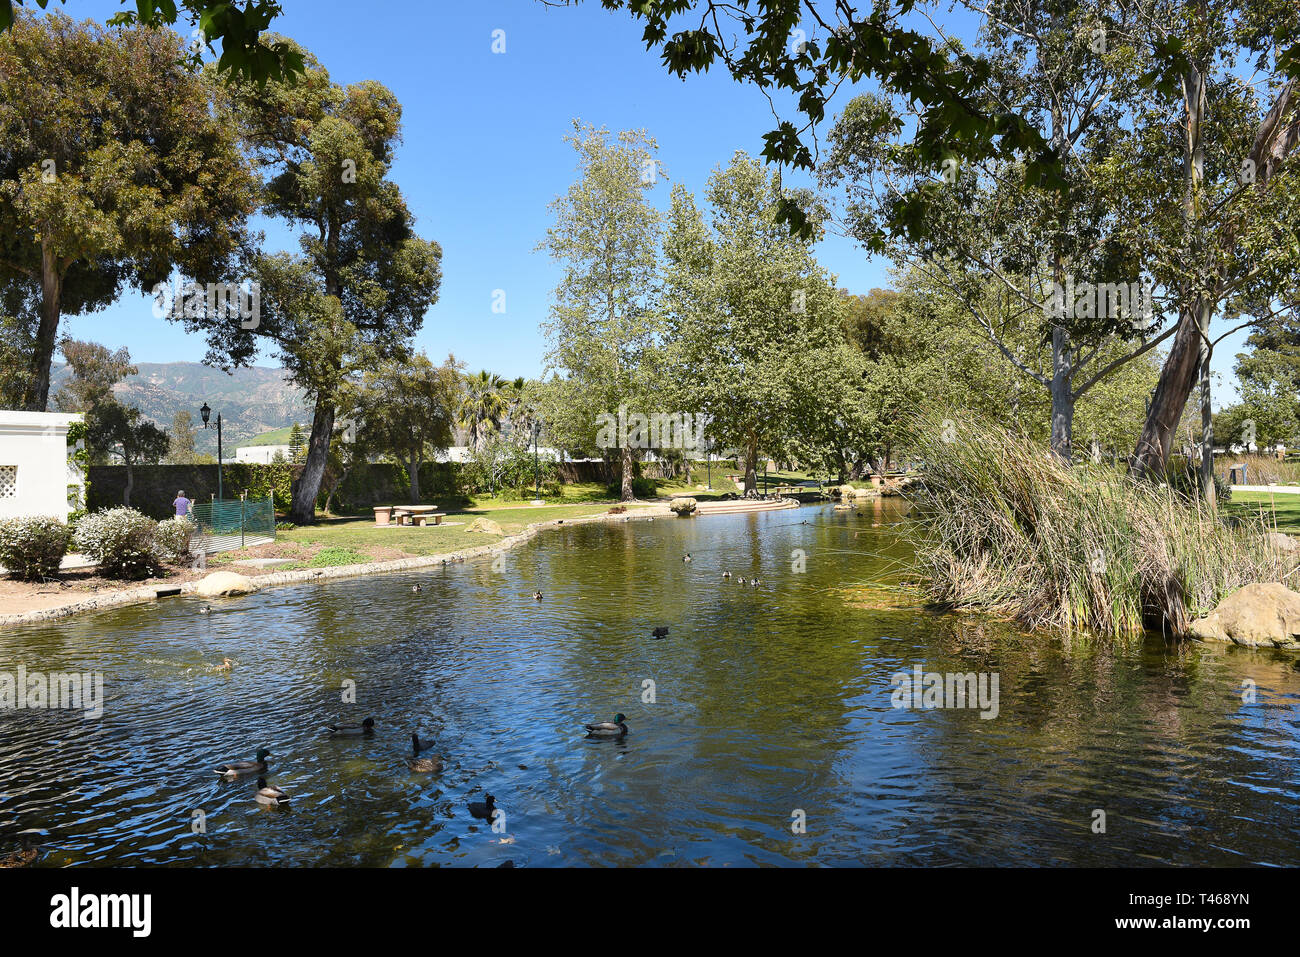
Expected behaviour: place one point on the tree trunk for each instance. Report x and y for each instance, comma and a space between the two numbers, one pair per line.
751, 468
413, 472
1207, 426
38, 389
627, 495
1177, 378
305, 490
1062, 395
130, 483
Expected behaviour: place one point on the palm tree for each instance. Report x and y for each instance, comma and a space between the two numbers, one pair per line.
484, 404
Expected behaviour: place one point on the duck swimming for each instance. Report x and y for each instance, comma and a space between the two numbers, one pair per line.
365, 727
235, 768
537, 595
687, 558
483, 810
415, 588
660, 632
608, 729
726, 574
419, 764
270, 794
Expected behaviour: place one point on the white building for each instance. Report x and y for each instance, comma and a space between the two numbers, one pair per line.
36, 476
262, 454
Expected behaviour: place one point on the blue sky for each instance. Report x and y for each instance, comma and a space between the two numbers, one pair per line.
483, 154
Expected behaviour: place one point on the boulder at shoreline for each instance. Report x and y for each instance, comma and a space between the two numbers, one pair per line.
223, 584
1264, 614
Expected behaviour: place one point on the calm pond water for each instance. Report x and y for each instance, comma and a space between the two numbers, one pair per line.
767, 700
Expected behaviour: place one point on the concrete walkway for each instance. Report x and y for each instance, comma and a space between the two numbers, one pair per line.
1269, 489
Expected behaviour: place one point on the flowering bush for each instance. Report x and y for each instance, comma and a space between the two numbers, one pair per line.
123, 541
33, 548
173, 539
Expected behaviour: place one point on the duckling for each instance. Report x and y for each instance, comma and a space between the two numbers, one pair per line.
418, 763
416, 588
270, 794
660, 632
236, 768
608, 729
755, 582
687, 558
365, 727
225, 665
483, 810
726, 574
537, 595
741, 580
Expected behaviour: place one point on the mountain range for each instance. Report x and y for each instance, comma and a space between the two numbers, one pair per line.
251, 400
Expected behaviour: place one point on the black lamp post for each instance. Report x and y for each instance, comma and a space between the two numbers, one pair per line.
708, 457
207, 413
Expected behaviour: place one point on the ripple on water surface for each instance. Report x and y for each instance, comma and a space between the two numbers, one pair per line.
767, 701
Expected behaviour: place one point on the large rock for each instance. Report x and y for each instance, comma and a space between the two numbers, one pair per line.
222, 584
1283, 543
485, 525
1266, 613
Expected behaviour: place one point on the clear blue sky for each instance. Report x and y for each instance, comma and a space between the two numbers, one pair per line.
483, 153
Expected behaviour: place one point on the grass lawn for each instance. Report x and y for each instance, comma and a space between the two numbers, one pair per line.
1282, 510
343, 541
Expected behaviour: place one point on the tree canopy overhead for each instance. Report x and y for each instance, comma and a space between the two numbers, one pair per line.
240, 30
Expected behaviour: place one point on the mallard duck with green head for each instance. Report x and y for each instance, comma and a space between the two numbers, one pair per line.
237, 768
608, 729
270, 794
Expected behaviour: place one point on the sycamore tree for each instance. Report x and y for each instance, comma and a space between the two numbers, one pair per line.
604, 328
114, 173
362, 280
755, 322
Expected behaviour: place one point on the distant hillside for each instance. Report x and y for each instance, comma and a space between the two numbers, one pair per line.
251, 401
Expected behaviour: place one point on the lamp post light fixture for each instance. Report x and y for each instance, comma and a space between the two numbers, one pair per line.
206, 413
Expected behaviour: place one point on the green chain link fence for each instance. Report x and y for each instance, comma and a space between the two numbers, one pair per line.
233, 523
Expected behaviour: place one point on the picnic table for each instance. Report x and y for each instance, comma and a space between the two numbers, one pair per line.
408, 514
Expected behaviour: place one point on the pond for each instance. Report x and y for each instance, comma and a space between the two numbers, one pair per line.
768, 736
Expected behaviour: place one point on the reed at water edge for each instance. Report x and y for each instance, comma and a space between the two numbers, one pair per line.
1000, 524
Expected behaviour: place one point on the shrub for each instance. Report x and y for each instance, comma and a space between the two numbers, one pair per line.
1003, 526
123, 541
682, 506
33, 548
173, 539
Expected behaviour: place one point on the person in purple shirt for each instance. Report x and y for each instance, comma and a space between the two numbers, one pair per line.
182, 504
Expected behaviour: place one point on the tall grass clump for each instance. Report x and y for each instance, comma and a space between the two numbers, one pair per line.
1002, 525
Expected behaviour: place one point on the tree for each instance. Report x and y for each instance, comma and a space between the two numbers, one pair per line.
482, 407
363, 280
183, 432
113, 430
604, 328
240, 31
755, 323
114, 173
791, 46
94, 370
1065, 66
1220, 222
407, 407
